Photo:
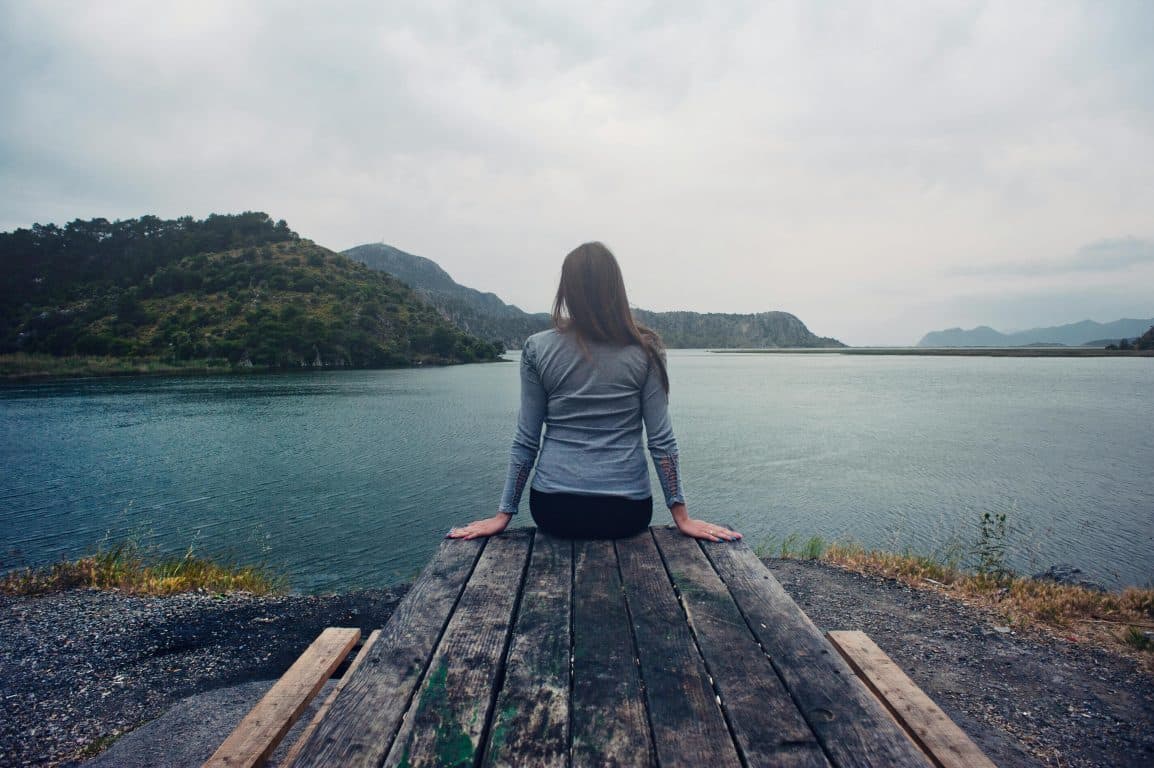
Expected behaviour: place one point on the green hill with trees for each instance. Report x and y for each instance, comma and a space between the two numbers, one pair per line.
228, 290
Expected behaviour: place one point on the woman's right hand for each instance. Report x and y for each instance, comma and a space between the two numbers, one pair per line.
490, 526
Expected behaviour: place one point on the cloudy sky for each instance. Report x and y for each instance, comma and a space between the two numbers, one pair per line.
880, 169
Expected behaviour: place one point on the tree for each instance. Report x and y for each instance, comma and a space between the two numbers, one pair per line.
1146, 341
443, 341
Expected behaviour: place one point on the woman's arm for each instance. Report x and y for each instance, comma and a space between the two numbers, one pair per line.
663, 448
659, 438
522, 457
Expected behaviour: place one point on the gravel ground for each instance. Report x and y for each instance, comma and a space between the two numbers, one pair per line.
81, 668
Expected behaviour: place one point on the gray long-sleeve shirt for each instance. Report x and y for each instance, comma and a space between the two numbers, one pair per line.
593, 403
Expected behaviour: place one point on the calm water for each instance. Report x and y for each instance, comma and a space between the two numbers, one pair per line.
350, 479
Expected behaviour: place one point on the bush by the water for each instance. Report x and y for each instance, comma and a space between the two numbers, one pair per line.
131, 568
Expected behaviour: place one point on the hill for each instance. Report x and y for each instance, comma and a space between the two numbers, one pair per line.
486, 315
695, 330
1073, 334
230, 289
481, 314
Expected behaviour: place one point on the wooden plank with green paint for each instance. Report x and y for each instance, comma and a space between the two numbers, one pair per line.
766, 725
851, 725
531, 720
445, 725
365, 716
609, 724
688, 727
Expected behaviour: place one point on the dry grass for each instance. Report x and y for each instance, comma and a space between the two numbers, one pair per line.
129, 568
1118, 620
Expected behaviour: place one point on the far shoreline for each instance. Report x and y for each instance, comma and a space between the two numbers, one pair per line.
16, 369
944, 351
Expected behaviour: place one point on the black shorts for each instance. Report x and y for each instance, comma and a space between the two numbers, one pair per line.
573, 516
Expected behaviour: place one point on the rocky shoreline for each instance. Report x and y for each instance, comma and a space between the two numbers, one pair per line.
84, 667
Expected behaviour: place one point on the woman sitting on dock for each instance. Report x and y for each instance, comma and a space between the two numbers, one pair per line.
593, 379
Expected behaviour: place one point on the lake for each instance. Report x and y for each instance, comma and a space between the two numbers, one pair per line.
349, 479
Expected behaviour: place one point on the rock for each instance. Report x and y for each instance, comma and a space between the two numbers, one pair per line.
1069, 575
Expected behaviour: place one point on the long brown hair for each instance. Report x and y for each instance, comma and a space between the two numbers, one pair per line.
591, 302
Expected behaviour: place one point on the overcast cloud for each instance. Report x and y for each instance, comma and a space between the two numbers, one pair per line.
879, 169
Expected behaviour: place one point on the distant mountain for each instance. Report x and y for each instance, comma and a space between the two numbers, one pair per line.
229, 289
694, 330
485, 315
481, 314
1074, 334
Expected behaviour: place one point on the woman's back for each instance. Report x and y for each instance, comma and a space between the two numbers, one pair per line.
593, 396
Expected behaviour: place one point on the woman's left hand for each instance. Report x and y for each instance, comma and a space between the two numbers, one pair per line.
490, 526
699, 529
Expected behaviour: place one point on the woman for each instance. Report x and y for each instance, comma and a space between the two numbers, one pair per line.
593, 380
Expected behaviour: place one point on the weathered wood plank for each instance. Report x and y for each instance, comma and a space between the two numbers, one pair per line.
531, 720
688, 726
365, 716
767, 727
323, 709
445, 726
261, 730
609, 723
851, 725
947, 745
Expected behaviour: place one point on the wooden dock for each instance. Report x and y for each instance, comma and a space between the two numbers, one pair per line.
527, 650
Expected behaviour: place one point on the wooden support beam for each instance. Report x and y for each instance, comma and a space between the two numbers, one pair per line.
930, 728
261, 730
323, 709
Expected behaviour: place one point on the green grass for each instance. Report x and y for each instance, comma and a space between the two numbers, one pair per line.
130, 568
792, 547
1138, 640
